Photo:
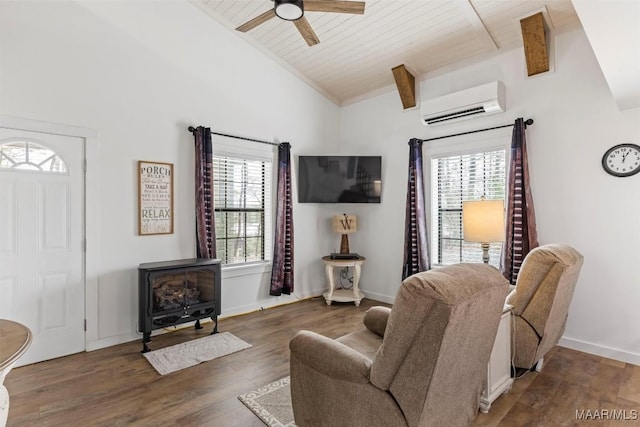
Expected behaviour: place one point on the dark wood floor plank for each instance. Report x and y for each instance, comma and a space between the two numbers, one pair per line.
630, 387
605, 385
117, 386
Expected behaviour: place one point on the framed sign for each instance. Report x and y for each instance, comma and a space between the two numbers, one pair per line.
155, 198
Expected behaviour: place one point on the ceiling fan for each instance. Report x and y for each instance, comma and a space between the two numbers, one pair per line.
293, 10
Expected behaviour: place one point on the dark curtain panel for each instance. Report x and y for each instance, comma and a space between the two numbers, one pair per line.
282, 270
521, 234
205, 224
416, 246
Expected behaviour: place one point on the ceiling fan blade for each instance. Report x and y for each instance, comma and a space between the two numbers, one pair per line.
260, 19
334, 6
306, 31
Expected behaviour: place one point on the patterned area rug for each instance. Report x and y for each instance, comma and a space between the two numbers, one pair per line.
271, 403
191, 353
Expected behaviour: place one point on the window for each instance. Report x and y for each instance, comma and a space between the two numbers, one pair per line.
454, 179
25, 155
242, 194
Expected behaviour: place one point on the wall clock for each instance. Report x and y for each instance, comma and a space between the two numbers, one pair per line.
622, 160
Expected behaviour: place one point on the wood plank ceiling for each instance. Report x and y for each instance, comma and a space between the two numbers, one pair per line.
357, 52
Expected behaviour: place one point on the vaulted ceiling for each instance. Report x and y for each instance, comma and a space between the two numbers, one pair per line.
357, 52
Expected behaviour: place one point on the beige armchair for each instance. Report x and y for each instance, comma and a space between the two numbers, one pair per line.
541, 301
421, 363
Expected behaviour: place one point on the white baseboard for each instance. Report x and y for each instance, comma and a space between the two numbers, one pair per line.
600, 350
266, 304
114, 340
379, 297
126, 337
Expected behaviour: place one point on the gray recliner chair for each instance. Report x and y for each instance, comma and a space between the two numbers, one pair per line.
421, 363
540, 300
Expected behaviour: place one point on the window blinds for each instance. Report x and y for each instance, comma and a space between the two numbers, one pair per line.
242, 204
455, 179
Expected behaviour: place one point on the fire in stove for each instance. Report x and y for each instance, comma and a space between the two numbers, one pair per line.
171, 292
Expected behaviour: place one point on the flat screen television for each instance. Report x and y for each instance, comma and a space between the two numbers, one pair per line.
339, 179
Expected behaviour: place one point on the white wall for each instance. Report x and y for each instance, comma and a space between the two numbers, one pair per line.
139, 73
576, 202
596, 18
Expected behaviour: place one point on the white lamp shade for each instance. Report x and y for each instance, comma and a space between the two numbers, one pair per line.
344, 224
483, 221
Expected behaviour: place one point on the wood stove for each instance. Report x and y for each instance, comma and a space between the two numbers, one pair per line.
175, 292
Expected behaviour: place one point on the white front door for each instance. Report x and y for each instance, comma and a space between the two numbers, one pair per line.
41, 240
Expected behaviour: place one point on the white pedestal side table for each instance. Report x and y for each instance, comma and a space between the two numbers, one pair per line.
499, 379
343, 295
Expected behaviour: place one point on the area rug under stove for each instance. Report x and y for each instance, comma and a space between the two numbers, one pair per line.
191, 353
271, 403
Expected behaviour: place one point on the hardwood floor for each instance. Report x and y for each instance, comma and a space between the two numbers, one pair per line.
116, 386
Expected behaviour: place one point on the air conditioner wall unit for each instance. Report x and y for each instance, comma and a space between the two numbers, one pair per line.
473, 102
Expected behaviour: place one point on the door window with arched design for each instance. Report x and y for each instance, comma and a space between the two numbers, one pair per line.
27, 155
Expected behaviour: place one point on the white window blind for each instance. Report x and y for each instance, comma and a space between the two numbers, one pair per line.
242, 195
455, 179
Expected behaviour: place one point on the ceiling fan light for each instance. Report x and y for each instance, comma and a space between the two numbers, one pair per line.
289, 10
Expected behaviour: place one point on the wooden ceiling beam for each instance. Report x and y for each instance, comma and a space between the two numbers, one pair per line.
406, 84
535, 44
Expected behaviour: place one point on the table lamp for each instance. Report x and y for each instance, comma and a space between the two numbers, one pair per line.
483, 222
344, 224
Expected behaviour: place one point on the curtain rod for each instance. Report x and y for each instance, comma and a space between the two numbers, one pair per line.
192, 130
527, 122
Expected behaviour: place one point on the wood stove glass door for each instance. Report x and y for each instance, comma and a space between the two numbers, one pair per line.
180, 289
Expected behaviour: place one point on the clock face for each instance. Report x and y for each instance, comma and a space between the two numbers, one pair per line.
622, 160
